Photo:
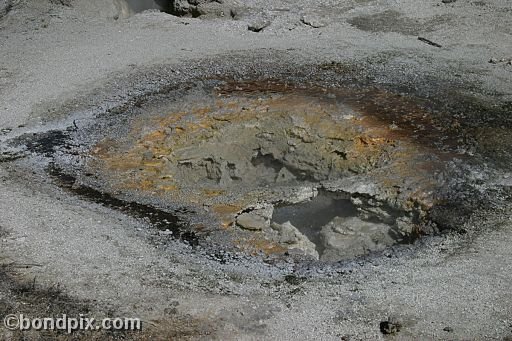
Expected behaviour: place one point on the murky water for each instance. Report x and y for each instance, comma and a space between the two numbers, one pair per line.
309, 217
142, 5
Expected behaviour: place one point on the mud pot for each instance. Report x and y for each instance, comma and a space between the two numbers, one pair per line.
272, 168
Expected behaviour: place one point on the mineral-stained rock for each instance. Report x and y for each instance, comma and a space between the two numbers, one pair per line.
290, 236
345, 238
252, 221
371, 208
257, 219
404, 226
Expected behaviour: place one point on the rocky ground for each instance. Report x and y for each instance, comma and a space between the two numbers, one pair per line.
88, 85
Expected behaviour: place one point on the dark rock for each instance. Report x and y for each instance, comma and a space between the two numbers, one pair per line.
448, 329
448, 1
258, 25
293, 279
391, 326
313, 21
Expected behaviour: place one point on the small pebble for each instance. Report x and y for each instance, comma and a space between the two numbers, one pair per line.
391, 326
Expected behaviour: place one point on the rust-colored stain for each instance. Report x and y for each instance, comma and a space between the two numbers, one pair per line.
257, 243
226, 213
